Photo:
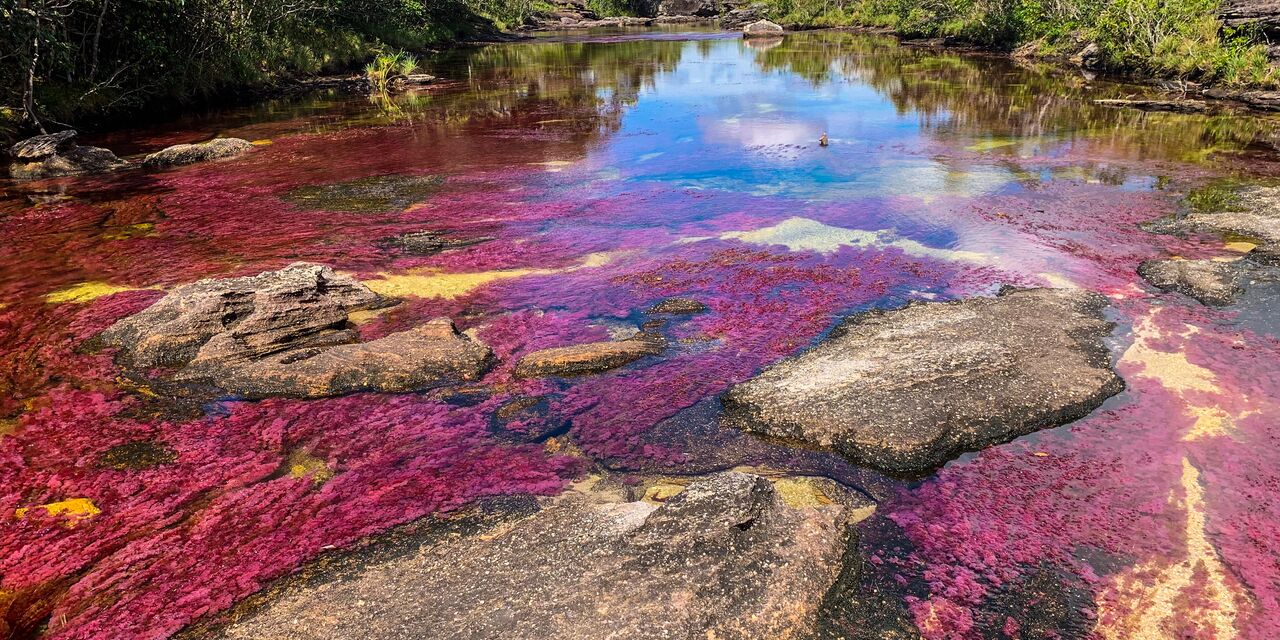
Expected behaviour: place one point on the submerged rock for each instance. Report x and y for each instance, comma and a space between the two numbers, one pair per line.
180, 154
726, 558
907, 390
1174, 106
57, 154
286, 333
367, 195
678, 306
763, 29
426, 243
593, 357
1211, 282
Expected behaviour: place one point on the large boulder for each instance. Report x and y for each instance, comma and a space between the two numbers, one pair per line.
180, 154
57, 154
287, 333
593, 357
742, 16
1211, 282
763, 29
727, 558
907, 390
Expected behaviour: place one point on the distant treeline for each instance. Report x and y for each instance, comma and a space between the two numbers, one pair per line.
1169, 38
60, 59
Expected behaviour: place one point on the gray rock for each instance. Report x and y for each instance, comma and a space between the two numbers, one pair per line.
1255, 213
742, 16
57, 154
286, 333
180, 154
907, 390
1209, 281
727, 558
594, 357
1173, 106
372, 194
763, 29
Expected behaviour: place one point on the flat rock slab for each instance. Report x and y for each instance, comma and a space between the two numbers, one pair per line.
593, 357
909, 389
287, 333
373, 194
57, 154
678, 307
180, 154
728, 558
427, 243
1211, 282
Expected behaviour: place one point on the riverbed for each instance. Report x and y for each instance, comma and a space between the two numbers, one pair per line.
586, 177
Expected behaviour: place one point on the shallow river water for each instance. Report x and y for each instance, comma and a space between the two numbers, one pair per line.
610, 171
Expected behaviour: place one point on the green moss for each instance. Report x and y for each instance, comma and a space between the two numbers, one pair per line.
1214, 198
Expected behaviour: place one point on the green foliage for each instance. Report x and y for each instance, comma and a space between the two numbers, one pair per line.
386, 67
1214, 198
1168, 38
96, 56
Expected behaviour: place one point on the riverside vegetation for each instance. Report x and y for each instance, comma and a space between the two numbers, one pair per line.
69, 59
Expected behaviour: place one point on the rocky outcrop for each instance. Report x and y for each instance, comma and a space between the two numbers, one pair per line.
180, 154
1211, 282
594, 357
1254, 212
736, 19
57, 154
908, 389
1263, 13
1173, 106
690, 8
286, 333
678, 307
763, 29
727, 558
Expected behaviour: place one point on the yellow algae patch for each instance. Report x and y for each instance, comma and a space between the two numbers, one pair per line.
991, 145
1241, 247
364, 316
804, 234
129, 231
1149, 597
8, 427
74, 509
85, 292
800, 492
304, 465
261, 143
433, 283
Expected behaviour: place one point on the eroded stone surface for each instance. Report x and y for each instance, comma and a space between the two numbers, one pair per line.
593, 357
286, 333
728, 557
367, 195
908, 389
1211, 282
426, 243
180, 154
57, 154
678, 306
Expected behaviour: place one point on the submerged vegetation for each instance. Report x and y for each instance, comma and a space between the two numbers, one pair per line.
1169, 38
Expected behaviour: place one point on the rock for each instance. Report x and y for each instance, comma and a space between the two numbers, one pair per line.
689, 8
286, 333
678, 306
374, 194
1255, 213
762, 29
1209, 281
594, 357
1174, 106
57, 154
742, 16
908, 389
1263, 13
426, 243
180, 154
726, 558
1089, 57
